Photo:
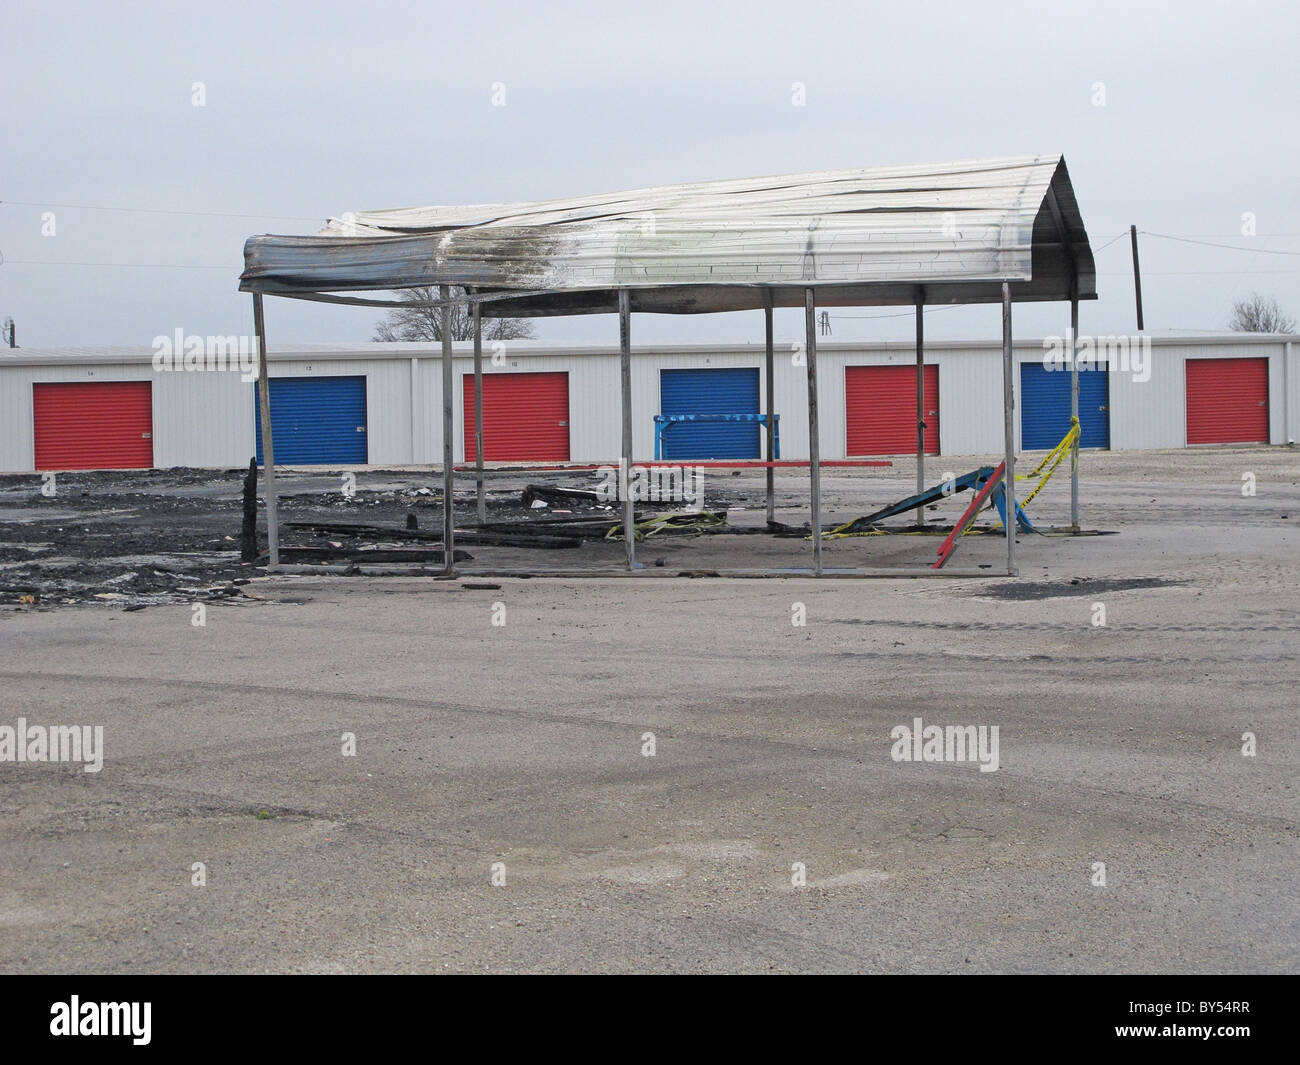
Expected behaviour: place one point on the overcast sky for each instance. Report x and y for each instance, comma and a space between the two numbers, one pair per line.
318, 108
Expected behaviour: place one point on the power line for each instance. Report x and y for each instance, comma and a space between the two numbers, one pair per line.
1196, 273
1233, 234
156, 210
1210, 244
1121, 233
901, 314
151, 266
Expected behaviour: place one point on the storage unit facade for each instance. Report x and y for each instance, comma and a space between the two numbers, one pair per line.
316, 421
1227, 401
712, 392
525, 416
92, 425
381, 404
1045, 406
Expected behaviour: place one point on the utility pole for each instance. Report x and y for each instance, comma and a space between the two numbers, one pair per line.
1137, 273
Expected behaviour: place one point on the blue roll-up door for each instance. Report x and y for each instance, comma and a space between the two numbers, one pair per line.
1045, 407
315, 421
730, 391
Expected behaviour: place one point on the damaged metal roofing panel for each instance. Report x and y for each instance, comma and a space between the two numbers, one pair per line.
865, 236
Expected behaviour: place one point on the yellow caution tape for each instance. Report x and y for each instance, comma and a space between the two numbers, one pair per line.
676, 521
1055, 455
834, 534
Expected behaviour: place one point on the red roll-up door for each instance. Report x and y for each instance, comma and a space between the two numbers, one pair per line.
880, 410
93, 425
525, 417
1227, 401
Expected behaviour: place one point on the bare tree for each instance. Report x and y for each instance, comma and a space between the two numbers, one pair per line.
417, 320
1260, 314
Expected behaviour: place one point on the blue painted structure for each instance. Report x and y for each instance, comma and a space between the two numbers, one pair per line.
713, 391
1045, 407
315, 421
664, 422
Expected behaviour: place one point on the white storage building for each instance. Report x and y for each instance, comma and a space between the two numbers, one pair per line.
380, 404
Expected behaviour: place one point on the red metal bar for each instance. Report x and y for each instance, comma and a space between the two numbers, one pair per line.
968, 515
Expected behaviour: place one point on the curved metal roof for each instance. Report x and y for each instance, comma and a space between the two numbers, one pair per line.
875, 236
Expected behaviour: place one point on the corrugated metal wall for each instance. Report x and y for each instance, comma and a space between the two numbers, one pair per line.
1286, 413
196, 423
970, 399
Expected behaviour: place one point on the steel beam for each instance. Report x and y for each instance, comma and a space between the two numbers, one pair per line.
625, 374
771, 406
268, 448
814, 441
479, 494
448, 466
1074, 413
1008, 426
920, 401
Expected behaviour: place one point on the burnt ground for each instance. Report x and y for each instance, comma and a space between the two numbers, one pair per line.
143, 537
139, 538
119, 536
1026, 590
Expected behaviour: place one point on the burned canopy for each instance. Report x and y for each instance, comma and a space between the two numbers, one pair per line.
991, 231
860, 237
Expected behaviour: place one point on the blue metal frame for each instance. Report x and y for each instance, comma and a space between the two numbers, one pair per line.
999, 500
663, 422
975, 480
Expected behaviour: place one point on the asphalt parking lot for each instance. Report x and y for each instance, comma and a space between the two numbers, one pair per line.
673, 775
